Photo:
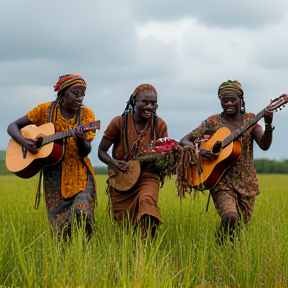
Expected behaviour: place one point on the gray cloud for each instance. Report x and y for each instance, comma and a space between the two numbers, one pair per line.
184, 48
225, 14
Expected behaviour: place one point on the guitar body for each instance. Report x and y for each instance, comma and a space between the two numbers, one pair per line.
214, 168
26, 166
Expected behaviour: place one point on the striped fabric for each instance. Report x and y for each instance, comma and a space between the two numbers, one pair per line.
69, 80
230, 86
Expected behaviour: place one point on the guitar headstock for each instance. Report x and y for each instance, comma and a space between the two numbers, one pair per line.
277, 103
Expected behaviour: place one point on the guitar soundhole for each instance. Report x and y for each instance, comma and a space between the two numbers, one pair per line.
39, 142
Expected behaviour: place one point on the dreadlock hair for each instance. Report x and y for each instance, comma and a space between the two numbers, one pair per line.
60, 94
129, 105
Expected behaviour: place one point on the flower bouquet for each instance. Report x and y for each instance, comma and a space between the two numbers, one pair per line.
159, 155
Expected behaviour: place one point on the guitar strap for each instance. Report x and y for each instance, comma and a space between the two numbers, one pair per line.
125, 138
38, 193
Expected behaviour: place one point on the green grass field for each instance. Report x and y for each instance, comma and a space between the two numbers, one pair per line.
183, 255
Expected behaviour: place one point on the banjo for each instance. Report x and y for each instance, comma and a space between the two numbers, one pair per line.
156, 155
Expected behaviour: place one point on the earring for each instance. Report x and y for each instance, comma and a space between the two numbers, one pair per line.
242, 107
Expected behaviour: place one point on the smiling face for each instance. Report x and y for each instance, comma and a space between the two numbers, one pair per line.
73, 98
145, 104
230, 103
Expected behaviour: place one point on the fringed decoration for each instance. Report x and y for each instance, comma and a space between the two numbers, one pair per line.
186, 162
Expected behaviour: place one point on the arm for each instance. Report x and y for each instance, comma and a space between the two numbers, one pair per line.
103, 148
14, 131
264, 139
84, 139
83, 145
190, 138
187, 140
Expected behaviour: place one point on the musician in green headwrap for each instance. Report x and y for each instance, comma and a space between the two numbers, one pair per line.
235, 192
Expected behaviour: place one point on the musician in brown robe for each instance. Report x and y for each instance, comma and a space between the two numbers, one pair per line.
129, 134
235, 193
70, 188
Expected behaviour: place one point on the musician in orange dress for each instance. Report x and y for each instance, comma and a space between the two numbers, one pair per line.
234, 195
129, 134
70, 188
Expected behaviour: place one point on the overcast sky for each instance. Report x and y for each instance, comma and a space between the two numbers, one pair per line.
184, 48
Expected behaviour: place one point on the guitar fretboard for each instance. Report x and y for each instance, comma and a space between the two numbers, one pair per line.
241, 130
57, 136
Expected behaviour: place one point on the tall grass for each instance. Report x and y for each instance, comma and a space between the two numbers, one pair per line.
184, 254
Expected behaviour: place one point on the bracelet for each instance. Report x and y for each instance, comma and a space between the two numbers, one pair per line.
269, 127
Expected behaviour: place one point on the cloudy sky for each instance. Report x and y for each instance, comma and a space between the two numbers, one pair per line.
184, 48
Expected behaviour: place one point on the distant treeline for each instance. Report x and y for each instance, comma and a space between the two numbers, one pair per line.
266, 166
262, 166
99, 170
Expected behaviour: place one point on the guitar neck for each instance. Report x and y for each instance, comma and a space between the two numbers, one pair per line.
57, 136
150, 157
241, 130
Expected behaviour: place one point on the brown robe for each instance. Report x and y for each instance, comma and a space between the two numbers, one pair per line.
142, 199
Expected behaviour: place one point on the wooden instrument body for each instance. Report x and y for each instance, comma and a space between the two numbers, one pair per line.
214, 167
26, 165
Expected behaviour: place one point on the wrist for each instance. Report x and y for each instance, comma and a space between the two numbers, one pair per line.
269, 127
268, 121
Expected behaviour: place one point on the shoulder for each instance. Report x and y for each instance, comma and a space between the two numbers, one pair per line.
116, 122
86, 110
249, 115
40, 108
215, 117
117, 119
114, 127
161, 128
45, 105
39, 114
161, 121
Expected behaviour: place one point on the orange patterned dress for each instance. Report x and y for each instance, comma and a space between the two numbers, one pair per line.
69, 185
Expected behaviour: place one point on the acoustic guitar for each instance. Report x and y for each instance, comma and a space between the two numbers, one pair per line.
47, 141
210, 170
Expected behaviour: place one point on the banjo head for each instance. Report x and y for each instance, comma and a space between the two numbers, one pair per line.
124, 181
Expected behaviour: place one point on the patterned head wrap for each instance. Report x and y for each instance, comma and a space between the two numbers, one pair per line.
144, 88
231, 86
69, 80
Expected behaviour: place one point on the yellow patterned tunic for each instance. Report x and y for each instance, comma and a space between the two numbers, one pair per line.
74, 169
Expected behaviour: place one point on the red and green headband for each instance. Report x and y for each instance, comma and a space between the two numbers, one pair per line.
69, 80
230, 86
